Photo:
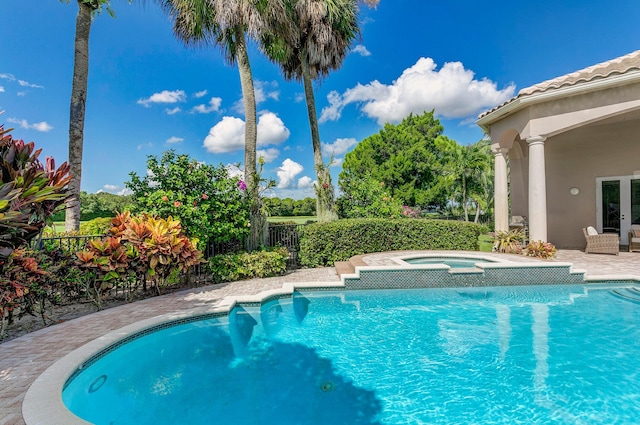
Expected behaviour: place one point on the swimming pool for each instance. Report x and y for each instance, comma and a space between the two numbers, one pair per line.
491, 355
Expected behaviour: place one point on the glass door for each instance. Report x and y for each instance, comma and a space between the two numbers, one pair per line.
618, 205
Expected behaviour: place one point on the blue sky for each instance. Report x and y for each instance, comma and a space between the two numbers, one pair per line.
148, 93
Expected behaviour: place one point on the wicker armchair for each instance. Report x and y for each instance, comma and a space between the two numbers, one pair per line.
602, 243
634, 240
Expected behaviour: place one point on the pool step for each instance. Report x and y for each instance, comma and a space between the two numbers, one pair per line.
630, 294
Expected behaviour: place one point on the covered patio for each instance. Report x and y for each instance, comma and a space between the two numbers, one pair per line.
567, 154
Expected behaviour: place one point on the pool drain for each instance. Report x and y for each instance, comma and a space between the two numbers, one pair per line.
328, 387
98, 383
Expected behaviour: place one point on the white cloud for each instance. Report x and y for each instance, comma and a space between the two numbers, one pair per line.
118, 190
125, 191
337, 162
110, 187
269, 155
173, 111
164, 96
1, 89
173, 139
287, 173
452, 91
22, 93
271, 130
214, 106
200, 94
24, 83
228, 134
235, 171
148, 145
9, 77
42, 126
361, 50
339, 147
305, 182
263, 90
299, 97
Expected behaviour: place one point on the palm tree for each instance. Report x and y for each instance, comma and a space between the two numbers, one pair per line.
308, 42
225, 23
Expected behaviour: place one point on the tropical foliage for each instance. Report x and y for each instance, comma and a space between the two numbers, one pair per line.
540, 249
208, 203
257, 264
30, 192
288, 207
370, 198
509, 241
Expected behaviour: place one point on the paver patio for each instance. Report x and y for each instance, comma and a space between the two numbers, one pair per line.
23, 359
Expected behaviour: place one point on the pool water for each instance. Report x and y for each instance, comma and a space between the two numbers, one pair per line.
534, 355
453, 262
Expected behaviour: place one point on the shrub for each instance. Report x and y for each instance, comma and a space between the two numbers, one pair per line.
97, 226
323, 244
509, 242
231, 267
540, 249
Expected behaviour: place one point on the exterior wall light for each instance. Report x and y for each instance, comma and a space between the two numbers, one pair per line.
574, 191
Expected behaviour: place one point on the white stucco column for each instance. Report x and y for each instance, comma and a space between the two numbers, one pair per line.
537, 189
501, 190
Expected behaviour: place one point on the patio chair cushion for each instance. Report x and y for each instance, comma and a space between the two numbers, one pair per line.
591, 231
636, 233
635, 240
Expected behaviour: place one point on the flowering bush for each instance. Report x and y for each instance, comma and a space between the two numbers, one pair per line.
208, 203
540, 249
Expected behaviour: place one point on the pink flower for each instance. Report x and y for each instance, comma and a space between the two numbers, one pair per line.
384, 199
325, 185
381, 183
242, 185
204, 196
176, 204
165, 198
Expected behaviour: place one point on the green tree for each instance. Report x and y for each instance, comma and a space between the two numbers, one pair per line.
86, 10
225, 24
305, 207
369, 198
208, 203
405, 158
467, 171
308, 42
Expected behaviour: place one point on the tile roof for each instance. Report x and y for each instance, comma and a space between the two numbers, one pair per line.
617, 66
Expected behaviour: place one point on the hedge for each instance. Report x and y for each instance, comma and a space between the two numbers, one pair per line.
239, 266
322, 244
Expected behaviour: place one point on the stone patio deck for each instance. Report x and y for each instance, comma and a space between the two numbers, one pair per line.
23, 359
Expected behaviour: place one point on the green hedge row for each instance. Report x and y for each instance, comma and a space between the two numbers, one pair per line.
322, 244
239, 266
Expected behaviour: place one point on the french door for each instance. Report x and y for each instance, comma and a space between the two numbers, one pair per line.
617, 205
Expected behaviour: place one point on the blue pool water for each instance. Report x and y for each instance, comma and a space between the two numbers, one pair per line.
508, 355
453, 262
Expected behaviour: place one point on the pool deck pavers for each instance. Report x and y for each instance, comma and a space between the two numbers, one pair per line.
23, 359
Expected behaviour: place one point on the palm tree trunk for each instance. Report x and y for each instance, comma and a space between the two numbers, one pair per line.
325, 205
76, 115
257, 219
465, 207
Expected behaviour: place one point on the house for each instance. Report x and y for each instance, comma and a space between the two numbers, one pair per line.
567, 153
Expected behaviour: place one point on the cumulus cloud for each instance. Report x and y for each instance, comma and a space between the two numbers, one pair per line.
200, 94
165, 96
173, 111
234, 171
269, 155
452, 92
173, 139
213, 106
228, 134
305, 182
118, 190
337, 162
287, 173
141, 146
361, 50
339, 147
1, 89
42, 126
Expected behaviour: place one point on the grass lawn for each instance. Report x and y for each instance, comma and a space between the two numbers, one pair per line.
297, 220
485, 243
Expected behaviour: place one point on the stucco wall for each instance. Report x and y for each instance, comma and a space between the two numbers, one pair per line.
576, 159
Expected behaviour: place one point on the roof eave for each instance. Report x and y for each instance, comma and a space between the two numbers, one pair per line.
517, 104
